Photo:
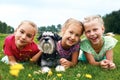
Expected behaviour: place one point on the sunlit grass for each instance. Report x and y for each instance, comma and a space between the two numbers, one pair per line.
82, 71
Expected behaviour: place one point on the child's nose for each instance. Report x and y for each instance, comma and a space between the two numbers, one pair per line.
91, 33
23, 36
73, 36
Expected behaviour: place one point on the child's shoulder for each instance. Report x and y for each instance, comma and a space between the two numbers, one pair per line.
109, 39
10, 37
84, 41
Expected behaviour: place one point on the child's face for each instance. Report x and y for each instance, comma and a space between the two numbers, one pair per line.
24, 35
71, 35
94, 32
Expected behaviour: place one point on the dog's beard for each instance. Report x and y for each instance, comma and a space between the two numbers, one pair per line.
47, 48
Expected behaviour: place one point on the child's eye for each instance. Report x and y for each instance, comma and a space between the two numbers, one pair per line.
44, 35
70, 32
22, 32
29, 35
95, 29
87, 32
77, 35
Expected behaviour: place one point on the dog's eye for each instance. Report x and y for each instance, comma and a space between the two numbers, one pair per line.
44, 36
51, 36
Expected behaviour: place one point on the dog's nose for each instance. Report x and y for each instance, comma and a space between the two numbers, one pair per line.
46, 39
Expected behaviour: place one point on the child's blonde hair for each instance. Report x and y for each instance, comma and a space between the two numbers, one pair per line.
97, 18
69, 22
31, 23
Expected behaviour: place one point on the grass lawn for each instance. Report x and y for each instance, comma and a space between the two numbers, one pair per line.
77, 73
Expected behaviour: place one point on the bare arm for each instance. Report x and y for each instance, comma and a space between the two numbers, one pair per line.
107, 63
36, 57
12, 60
109, 55
91, 59
74, 58
109, 60
71, 63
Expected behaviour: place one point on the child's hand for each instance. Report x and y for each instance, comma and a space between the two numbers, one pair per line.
64, 62
104, 64
112, 65
107, 64
12, 63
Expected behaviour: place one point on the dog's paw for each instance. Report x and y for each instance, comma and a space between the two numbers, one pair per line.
45, 69
60, 68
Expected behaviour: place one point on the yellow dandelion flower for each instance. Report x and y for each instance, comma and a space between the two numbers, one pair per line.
14, 72
29, 75
88, 76
17, 67
50, 73
59, 75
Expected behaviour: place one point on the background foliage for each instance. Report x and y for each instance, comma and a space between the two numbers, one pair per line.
4, 28
112, 22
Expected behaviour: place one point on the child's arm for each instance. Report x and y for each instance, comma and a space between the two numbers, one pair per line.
91, 59
12, 60
66, 63
75, 58
107, 63
36, 57
109, 55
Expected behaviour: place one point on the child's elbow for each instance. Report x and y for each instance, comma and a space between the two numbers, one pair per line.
32, 60
73, 64
92, 62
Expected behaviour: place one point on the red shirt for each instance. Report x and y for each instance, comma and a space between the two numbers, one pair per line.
24, 54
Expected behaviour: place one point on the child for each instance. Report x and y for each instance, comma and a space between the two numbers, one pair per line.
19, 47
68, 47
98, 49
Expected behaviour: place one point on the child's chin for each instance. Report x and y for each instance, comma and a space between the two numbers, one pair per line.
70, 44
21, 44
95, 42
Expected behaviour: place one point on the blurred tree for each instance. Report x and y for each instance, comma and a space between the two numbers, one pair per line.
51, 28
59, 26
4, 28
112, 22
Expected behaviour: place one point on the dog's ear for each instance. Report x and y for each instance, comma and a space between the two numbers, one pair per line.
57, 37
39, 36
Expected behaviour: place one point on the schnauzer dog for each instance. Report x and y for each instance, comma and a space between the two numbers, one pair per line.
50, 57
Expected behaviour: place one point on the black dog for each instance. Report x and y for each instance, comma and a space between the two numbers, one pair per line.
50, 57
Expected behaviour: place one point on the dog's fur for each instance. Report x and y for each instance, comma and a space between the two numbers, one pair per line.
50, 57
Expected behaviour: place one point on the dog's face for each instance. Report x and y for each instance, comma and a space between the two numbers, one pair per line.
47, 42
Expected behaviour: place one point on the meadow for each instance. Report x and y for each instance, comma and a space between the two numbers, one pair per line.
82, 71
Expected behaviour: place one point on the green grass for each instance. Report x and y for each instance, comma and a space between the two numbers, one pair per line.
70, 74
